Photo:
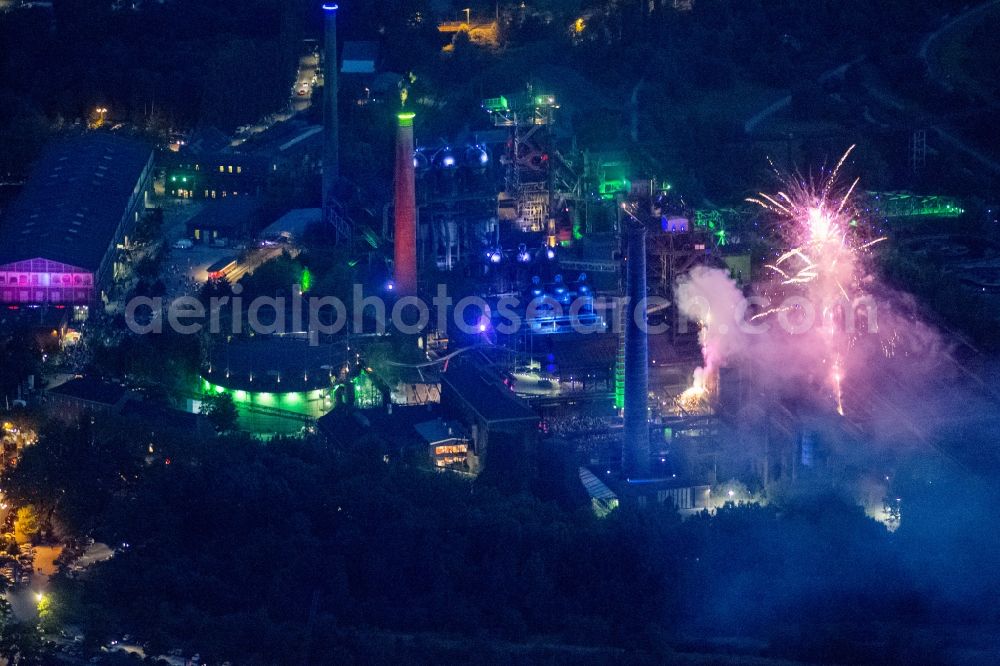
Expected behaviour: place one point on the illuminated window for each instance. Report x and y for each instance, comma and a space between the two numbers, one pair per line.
206, 194
197, 234
197, 167
230, 168
450, 449
222, 169
213, 194
239, 169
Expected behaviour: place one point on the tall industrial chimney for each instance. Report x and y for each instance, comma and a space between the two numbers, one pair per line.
405, 255
635, 449
331, 133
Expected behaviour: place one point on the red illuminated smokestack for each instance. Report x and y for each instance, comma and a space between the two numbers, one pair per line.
406, 210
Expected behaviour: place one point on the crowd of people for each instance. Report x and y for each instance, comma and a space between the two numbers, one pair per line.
597, 439
580, 424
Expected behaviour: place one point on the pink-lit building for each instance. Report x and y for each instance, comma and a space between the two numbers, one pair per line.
62, 239
43, 281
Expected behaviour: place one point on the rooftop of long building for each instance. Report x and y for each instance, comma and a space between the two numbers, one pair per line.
74, 200
484, 393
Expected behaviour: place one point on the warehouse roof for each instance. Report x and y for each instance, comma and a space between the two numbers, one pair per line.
207, 139
154, 414
294, 222
73, 201
438, 430
484, 393
347, 425
91, 389
595, 488
359, 57
279, 364
283, 138
231, 213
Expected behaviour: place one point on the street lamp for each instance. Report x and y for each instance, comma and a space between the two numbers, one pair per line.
468, 15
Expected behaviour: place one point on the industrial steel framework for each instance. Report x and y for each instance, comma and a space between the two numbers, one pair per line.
525, 114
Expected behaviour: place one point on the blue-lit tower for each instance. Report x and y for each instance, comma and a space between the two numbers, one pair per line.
635, 448
331, 130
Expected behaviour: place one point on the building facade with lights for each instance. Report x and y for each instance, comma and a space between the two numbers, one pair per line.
217, 175
274, 377
311, 403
